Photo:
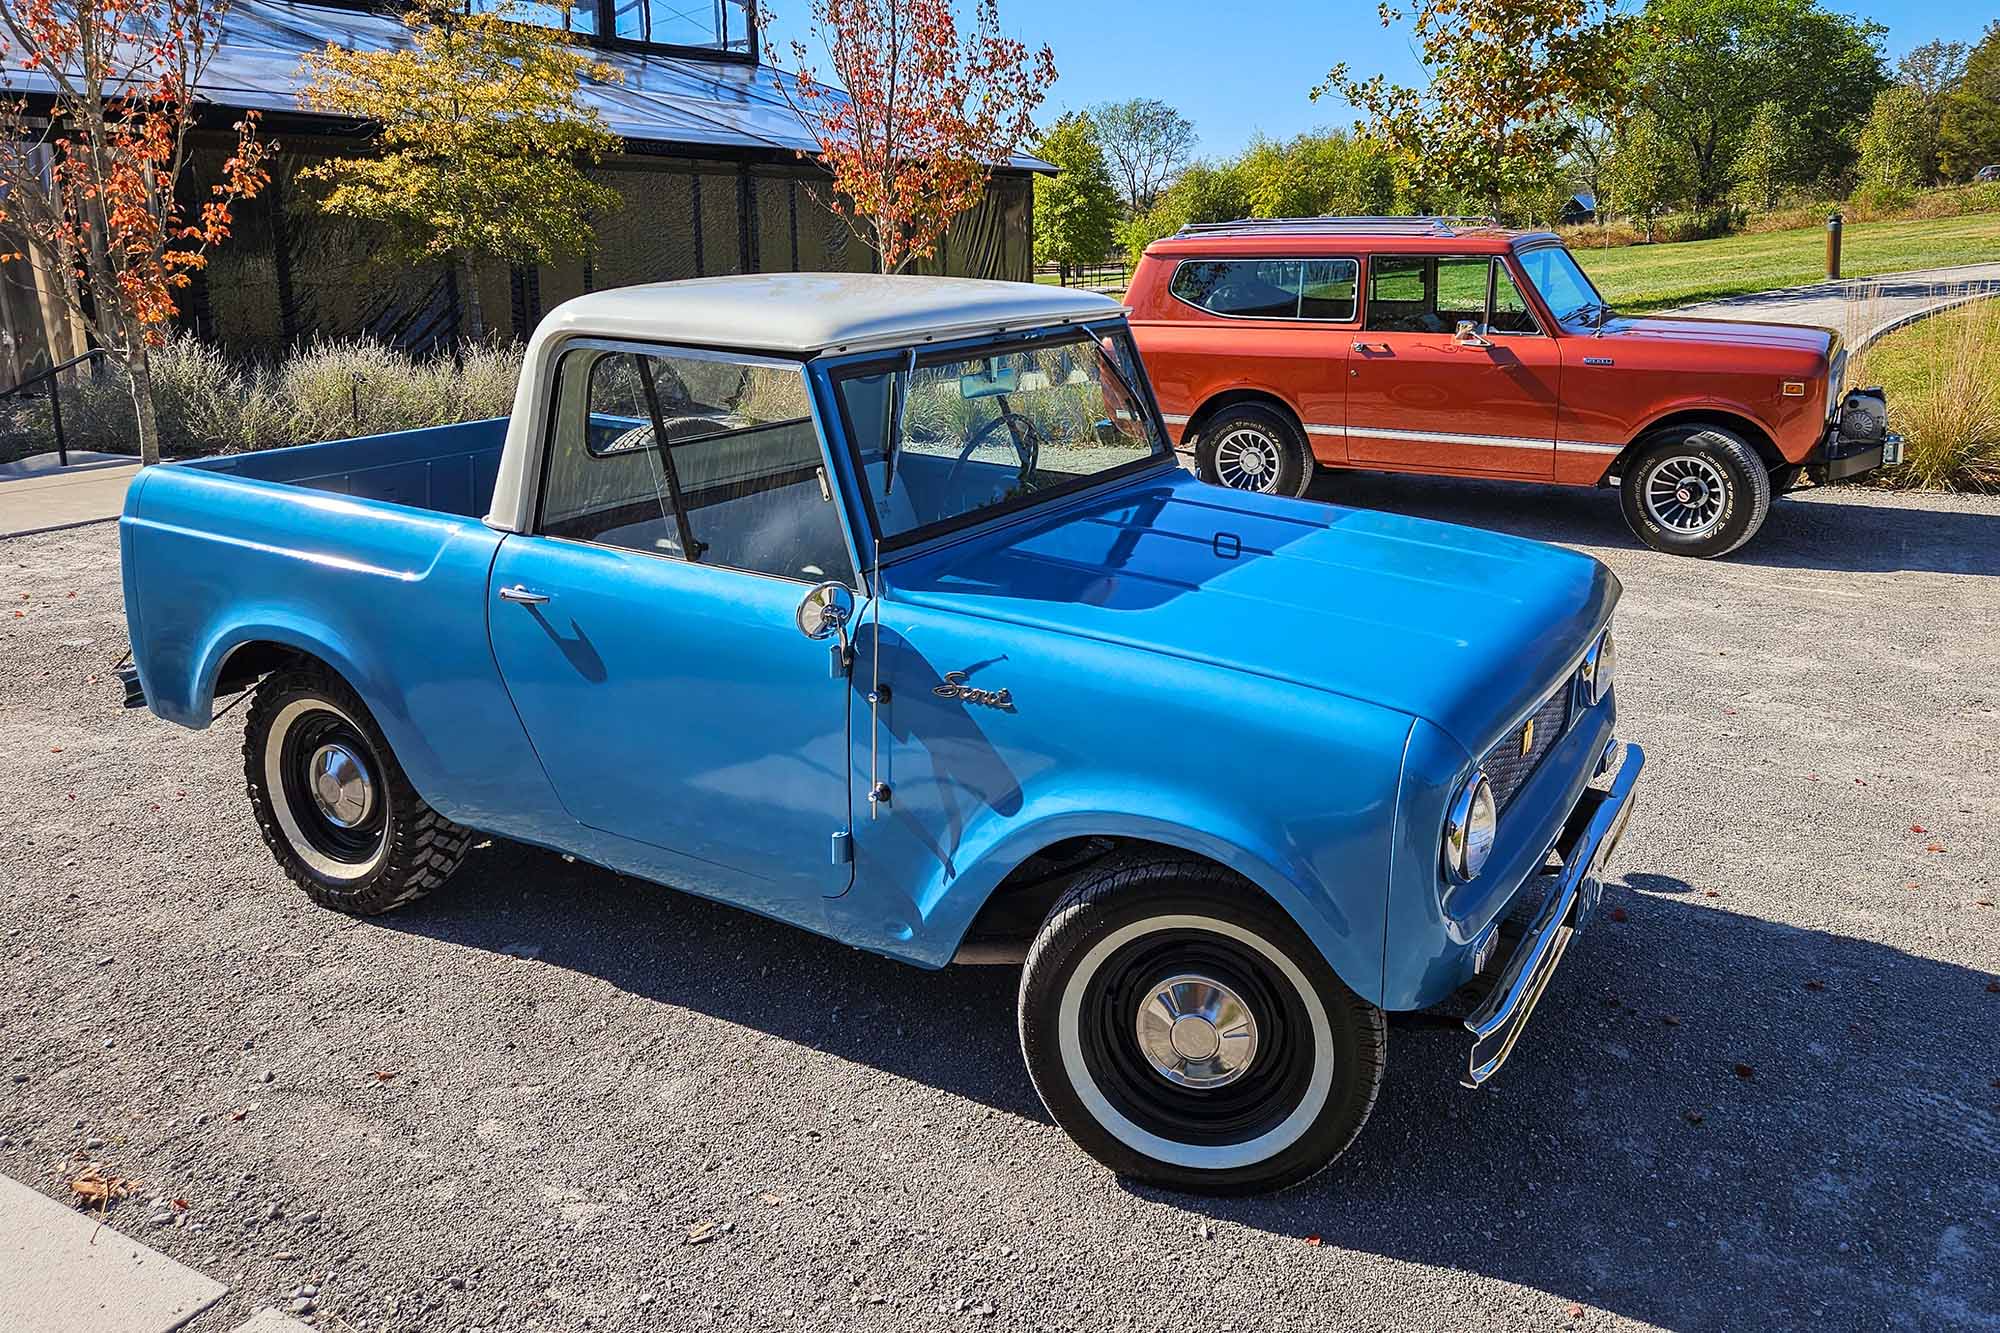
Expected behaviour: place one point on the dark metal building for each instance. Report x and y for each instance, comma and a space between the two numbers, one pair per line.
711, 174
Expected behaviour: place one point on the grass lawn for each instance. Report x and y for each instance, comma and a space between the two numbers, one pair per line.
1942, 376
1638, 278
1906, 361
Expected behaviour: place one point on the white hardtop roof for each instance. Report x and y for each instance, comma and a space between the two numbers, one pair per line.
808, 313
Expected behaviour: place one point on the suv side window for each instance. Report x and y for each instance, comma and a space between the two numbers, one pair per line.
704, 458
1421, 294
1269, 288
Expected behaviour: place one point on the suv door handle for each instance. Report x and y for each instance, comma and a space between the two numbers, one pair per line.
517, 593
1370, 347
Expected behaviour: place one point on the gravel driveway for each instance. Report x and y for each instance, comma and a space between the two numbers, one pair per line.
1764, 1090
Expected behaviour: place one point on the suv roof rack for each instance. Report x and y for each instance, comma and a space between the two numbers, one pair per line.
1404, 225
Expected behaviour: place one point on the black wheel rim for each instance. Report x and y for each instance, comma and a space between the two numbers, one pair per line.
1269, 1089
354, 844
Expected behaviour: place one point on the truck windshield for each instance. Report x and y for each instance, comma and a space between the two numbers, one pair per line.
1568, 294
978, 431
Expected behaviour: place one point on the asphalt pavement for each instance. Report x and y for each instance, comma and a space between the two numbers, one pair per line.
1762, 1092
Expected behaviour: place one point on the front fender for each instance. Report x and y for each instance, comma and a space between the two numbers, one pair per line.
1344, 921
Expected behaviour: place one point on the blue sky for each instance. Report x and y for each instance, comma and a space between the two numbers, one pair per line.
1237, 70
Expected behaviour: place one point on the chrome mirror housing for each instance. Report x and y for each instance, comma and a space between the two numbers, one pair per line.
1468, 335
825, 610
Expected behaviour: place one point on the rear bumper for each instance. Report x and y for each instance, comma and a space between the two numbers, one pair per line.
1585, 844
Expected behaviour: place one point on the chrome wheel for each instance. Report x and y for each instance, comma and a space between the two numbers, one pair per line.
321, 774
1196, 1042
1248, 460
1197, 1032
1686, 494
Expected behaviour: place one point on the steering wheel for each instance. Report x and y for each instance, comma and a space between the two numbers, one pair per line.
1027, 441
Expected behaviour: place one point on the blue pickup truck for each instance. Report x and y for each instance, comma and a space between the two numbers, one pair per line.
881, 606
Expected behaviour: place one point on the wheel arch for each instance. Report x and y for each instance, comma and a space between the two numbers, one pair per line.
1734, 420
1228, 398
980, 915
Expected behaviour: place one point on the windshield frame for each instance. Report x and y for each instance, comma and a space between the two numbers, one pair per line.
838, 371
1603, 307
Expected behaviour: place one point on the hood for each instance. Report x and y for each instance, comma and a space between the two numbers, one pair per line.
1465, 628
1743, 333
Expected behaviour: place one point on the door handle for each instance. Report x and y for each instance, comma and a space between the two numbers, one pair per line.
517, 593
1370, 347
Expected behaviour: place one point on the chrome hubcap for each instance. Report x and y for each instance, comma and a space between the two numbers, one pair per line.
340, 785
1197, 1032
1686, 495
1248, 460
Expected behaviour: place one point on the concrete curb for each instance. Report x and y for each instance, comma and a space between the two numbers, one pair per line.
1888, 327
62, 1271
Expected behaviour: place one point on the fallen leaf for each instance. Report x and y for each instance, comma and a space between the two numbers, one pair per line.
55, 749
1993, 988
1670, 1020
1815, 985
1918, 828
96, 1188
239, 1113
1693, 1117
384, 1075
701, 1233
1710, 893
1576, 1312
1935, 847
1617, 914
181, 1205
1745, 1071
1313, 1240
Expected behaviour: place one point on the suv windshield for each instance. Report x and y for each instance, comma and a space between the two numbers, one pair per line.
984, 430
1568, 294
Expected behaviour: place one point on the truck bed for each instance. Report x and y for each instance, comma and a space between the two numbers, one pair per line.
447, 469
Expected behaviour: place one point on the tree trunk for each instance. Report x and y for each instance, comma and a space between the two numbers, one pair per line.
475, 314
139, 373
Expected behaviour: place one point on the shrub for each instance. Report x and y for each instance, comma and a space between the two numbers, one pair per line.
1943, 381
329, 390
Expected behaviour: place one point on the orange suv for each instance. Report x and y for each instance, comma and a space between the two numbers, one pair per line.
1456, 347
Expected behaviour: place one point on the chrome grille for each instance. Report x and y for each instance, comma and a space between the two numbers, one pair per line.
1508, 767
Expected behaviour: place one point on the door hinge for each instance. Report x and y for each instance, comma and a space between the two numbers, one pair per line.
843, 847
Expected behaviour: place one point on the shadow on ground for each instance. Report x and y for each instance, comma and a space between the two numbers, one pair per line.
1814, 528
1813, 1139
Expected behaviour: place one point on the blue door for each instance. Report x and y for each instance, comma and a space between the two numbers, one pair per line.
677, 704
646, 630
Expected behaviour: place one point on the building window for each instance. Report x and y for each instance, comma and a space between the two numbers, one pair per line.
717, 25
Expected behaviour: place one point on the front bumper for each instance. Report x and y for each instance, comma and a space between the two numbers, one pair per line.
1585, 844
1857, 439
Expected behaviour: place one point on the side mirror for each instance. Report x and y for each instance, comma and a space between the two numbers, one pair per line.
824, 611
1468, 335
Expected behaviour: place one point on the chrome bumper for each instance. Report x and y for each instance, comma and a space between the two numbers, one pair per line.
1586, 843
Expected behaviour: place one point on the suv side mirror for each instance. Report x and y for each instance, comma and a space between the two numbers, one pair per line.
824, 611
1468, 335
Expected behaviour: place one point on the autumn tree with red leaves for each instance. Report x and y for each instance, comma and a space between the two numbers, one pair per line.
92, 152
915, 113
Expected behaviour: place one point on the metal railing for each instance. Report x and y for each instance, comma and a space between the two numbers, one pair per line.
55, 395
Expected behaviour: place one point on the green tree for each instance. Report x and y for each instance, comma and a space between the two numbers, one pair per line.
1933, 72
1314, 175
1646, 172
1969, 133
483, 141
1767, 160
1489, 118
1076, 210
1898, 145
1203, 193
1702, 68
1146, 144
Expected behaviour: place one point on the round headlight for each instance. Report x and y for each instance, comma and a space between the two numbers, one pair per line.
1600, 666
1469, 827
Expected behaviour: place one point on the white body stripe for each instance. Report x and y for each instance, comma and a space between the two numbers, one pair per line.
1442, 437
